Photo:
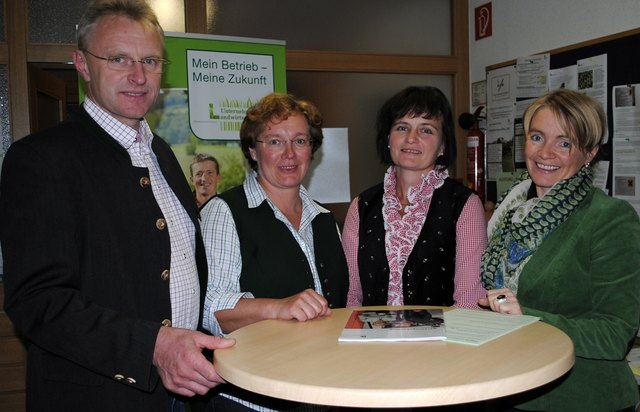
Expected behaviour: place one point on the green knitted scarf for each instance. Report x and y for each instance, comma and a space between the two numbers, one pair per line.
519, 225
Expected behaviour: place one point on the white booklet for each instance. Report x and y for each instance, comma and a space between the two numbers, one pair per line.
394, 325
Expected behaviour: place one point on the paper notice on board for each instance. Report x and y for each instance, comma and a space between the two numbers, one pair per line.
494, 169
519, 137
532, 75
500, 126
501, 100
564, 78
500, 122
501, 86
592, 80
601, 174
626, 143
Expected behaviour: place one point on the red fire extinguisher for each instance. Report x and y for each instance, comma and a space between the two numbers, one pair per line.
475, 151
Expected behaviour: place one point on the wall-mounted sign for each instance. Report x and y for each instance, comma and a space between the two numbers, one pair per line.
483, 21
206, 91
224, 76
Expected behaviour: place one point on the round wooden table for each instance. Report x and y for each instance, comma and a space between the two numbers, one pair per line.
303, 361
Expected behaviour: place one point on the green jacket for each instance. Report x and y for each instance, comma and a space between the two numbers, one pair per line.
585, 280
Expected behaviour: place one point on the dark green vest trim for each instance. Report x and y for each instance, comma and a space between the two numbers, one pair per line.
274, 265
430, 269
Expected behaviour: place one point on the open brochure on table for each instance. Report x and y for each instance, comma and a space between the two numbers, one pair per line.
475, 327
465, 326
394, 325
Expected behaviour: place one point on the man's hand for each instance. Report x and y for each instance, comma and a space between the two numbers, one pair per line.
180, 363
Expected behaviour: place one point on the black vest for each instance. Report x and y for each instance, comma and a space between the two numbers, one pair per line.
427, 278
274, 265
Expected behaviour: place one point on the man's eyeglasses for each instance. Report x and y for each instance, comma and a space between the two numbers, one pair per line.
277, 145
125, 63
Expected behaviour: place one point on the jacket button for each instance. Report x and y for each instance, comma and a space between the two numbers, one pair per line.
145, 182
166, 323
165, 274
118, 377
161, 224
131, 381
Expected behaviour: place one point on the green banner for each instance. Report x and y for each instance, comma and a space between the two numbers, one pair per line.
206, 90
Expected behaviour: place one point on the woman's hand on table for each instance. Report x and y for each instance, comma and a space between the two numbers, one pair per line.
302, 306
502, 301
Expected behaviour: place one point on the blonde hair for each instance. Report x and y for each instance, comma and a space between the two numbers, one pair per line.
581, 117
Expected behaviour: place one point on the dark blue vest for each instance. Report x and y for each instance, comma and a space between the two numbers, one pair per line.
428, 275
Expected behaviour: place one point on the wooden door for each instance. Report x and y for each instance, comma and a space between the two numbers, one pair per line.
47, 99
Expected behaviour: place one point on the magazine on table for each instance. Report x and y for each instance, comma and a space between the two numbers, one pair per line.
394, 325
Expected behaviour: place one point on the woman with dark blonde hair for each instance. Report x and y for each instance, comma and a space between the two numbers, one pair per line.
564, 251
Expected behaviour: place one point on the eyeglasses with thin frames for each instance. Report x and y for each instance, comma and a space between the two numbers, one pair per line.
276, 144
124, 63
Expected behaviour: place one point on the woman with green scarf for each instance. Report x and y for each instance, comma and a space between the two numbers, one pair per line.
564, 251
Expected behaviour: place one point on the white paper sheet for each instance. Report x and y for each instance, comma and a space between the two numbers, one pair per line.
475, 327
328, 177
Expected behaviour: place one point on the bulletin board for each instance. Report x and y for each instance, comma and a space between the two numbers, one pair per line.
623, 68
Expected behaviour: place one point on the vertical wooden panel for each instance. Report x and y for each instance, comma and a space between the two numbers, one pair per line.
460, 42
17, 33
13, 402
195, 15
13, 357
